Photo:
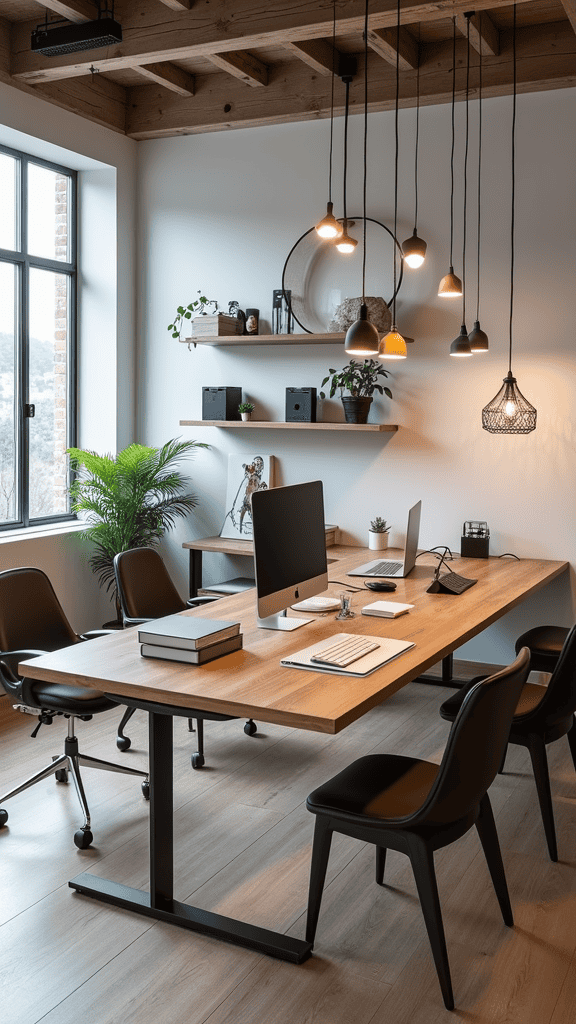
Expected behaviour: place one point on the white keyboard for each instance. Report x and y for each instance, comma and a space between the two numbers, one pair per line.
344, 652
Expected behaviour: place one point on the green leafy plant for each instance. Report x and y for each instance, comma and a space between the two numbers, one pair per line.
379, 525
245, 407
196, 308
129, 501
360, 379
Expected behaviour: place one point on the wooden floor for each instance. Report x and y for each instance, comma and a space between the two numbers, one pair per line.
243, 840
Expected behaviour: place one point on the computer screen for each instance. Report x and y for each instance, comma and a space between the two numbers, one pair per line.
289, 550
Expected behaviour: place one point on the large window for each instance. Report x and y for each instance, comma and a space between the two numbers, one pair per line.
37, 338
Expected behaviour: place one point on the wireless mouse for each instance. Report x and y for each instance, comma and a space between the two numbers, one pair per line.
380, 585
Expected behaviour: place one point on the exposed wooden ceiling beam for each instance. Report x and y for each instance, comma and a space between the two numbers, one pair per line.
317, 54
178, 5
73, 10
546, 60
242, 65
383, 42
570, 8
204, 31
171, 77
484, 36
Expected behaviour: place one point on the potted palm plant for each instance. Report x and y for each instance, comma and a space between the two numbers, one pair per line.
129, 500
361, 380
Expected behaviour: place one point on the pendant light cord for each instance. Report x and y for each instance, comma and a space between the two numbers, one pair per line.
452, 151
365, 147
332, 102
417, 135
513, 184
479, 168
347, 83
396, 151
465, 171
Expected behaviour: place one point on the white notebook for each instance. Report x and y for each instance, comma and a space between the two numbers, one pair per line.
387, 609
388, 649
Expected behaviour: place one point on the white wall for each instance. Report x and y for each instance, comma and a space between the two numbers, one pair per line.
220, 212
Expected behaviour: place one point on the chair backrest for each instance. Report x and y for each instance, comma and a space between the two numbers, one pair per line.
559, 701
476, 745
144, 585
31, 616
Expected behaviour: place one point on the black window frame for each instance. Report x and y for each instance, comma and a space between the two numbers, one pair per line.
24, 263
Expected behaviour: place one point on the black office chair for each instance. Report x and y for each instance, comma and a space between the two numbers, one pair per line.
545, 644
417, 807
32, 622
543, 714
147, 592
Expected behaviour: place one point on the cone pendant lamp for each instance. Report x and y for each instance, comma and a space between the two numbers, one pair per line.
329, 227
450, 286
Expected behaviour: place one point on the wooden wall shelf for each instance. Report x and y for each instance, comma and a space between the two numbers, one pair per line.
378, 428
270, 339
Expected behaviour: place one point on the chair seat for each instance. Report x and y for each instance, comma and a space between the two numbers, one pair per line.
73, 700
386, 787
530, 698
544, 644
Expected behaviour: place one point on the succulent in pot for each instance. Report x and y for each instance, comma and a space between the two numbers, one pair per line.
378, 534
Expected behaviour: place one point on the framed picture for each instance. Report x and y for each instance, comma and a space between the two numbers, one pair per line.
245, 475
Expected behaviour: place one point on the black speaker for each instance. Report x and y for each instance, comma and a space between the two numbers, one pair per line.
221, 403
300, 405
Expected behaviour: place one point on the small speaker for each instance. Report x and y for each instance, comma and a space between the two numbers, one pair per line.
300, 405
474, 547
221, 403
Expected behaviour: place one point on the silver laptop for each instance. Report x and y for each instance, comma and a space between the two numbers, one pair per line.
381, 567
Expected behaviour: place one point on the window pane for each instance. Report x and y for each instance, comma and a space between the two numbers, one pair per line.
8, 168
48, 388
7, 393
48, 213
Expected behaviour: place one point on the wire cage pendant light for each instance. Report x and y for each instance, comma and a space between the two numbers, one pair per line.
393, 345
510, 412
362, 338
450, 286
414, 248
329, 227
460, 347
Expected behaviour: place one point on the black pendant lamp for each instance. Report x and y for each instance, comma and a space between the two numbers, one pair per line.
450, 286
329, 227
509, 412
346, 244
478, 338
393, 345
460, 347
362, 338
414, 248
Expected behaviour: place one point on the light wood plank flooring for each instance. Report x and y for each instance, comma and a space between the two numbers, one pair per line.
243, 840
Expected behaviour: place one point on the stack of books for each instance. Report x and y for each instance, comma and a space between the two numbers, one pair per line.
218, 324
187, 638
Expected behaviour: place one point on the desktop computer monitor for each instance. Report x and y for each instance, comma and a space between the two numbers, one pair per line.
289, 550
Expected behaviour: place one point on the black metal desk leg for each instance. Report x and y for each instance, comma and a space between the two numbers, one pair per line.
195, 572
446, 679
161, 812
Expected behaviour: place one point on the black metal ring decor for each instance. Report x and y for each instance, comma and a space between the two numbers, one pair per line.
323, 242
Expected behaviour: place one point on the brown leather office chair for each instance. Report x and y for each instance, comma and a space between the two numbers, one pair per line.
417, 807
32, 622
147, 592
543, 714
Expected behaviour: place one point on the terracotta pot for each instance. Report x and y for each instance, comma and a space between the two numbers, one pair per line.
356, 409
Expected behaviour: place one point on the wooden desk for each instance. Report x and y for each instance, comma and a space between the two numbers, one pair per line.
251, 683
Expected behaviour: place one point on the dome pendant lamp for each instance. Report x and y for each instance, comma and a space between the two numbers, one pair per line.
414, 248
362, 338
450, 286
461, 345
329, 227
478, 338
345, 243
509, 412
393, 345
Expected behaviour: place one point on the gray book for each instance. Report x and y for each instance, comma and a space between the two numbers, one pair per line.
186, 632
233, 643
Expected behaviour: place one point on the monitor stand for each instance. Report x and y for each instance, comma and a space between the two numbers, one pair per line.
281, 621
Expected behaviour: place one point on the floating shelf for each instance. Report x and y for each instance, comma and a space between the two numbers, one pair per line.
270, 339
377, 428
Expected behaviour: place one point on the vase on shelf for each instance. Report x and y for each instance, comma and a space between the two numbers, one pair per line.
377, 541
356, 409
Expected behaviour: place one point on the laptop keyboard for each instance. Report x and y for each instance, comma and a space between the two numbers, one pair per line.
344, 652
384, 569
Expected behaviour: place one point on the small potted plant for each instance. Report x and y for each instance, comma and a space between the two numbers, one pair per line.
361, 380
378, 534
245, 409
195, 308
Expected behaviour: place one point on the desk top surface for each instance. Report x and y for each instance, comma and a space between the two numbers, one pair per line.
251, 682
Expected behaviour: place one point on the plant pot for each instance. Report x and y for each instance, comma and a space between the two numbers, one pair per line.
245, 416
356, 409
377, 541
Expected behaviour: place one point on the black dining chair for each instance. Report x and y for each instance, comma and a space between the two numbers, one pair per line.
543, 714
146, 592
545, 644
414, 806
33, 622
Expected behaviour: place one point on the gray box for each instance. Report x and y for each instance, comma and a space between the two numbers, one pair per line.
300, 405
221, 403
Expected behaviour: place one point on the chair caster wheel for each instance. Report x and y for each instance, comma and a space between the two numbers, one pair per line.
3, 817
197, 760
83, 838
250, 728
61, 775
123, 742
146, 789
